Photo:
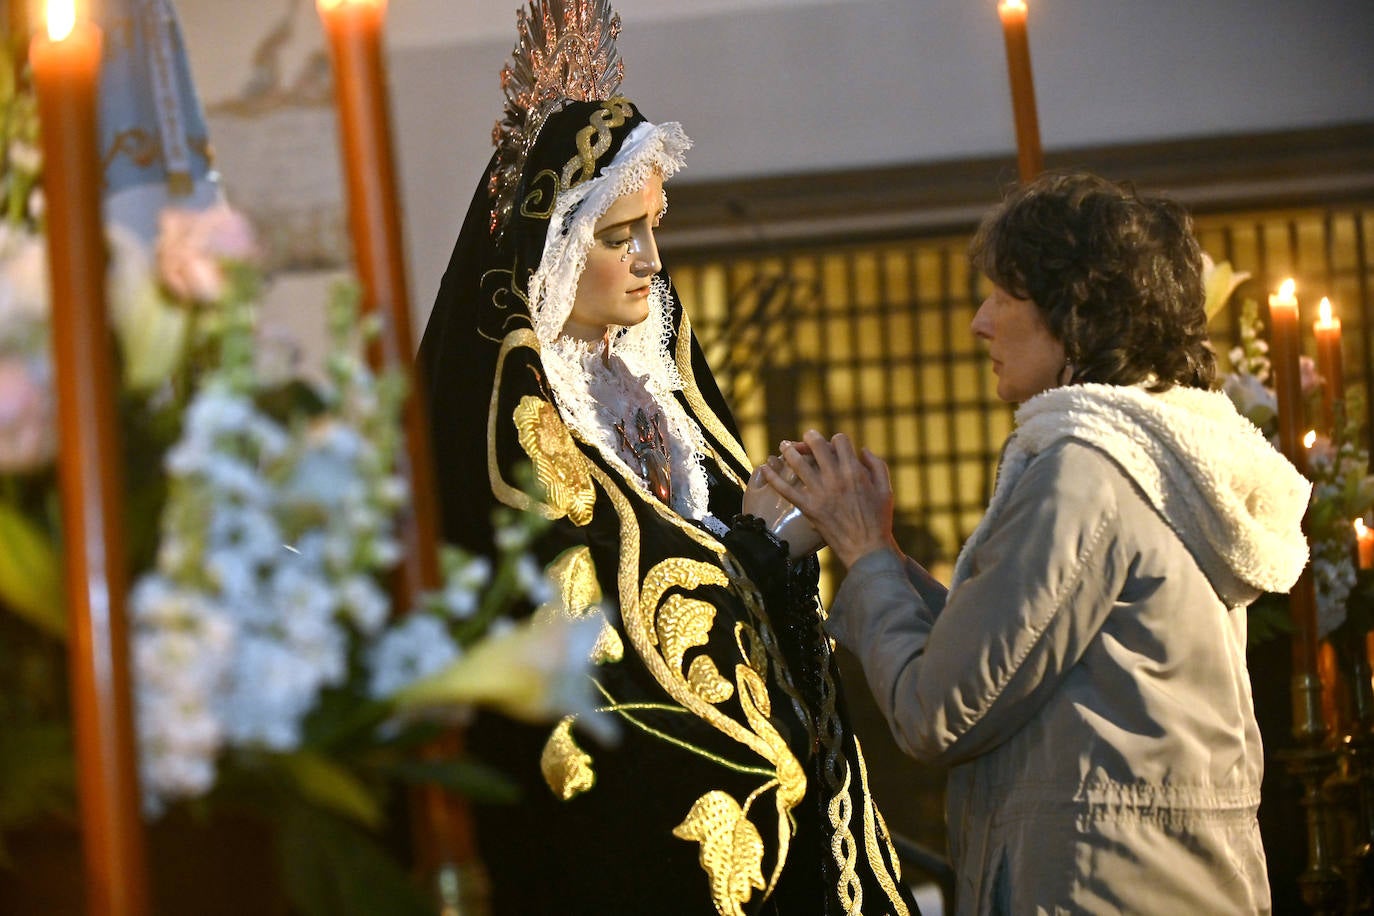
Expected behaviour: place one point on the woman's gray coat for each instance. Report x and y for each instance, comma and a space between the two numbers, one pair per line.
1086, 679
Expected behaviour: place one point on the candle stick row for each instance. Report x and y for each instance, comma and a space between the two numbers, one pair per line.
1285, 350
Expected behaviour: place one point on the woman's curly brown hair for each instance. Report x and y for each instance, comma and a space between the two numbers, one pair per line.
1117, 277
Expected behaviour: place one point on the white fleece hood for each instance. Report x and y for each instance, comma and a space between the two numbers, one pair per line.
1233, 500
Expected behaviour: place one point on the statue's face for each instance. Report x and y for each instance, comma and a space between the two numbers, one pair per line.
614, 286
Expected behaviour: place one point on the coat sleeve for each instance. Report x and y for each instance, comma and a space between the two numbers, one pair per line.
956, 682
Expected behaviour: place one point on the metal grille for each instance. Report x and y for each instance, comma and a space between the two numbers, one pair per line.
874, 340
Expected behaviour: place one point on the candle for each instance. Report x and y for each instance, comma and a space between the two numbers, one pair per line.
1327, 330
354, 32
1283, 353
1284, 347
1029, 159
65, 64
1364, 543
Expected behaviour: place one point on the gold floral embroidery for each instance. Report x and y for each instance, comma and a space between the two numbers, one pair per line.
520, 338
707, 682
559, 465
566, 768
608, 648
731, 849
683, 623
579, 595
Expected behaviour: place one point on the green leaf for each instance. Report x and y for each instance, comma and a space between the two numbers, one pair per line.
326, 783
30, 583
1268, 619
37, 771
341, 719
330, 868
463, 776
1364, 496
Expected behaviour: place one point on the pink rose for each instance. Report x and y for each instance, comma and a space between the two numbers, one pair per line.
28, 426
193, 246
1307, 374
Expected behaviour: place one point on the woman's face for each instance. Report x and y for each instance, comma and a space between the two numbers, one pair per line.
1026, 357
614, 286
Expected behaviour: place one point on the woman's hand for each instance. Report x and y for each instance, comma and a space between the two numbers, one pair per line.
845, 495
782, 518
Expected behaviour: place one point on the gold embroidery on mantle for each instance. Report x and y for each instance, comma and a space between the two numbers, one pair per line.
640, 609
579, 595
873, 828
566, 767
559, 465
507, 494
838, 782
685, 623
704, 415
731, 849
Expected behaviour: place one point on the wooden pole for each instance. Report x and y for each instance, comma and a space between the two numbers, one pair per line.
89, 467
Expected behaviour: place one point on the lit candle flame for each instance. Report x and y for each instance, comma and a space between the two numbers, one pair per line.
61, 18
1360, 528
1287, 288
1310, 439
326, 5
1012, 6
1324, 310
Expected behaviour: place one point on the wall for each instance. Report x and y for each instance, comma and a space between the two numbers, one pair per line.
787, 86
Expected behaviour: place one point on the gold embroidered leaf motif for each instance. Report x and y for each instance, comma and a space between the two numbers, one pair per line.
706, 681
574, 575
566, 768
579, 595
731, 849
757, 708
682, 624
559, 466
609, 646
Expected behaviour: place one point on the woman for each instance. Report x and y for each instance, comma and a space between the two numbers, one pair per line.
557, 343
1084, 678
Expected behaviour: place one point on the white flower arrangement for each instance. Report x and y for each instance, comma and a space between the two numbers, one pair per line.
266, 592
